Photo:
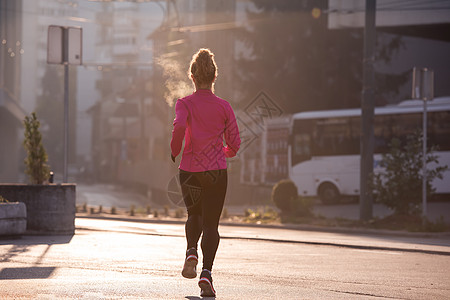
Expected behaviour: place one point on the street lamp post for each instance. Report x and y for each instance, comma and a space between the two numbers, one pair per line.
423, 89
64, 47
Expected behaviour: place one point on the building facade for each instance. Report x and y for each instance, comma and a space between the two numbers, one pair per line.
11, 111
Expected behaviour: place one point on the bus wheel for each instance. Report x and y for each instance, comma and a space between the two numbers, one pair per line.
328, 193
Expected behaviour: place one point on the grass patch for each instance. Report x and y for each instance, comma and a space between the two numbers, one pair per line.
409, 223
393, 222
268, 215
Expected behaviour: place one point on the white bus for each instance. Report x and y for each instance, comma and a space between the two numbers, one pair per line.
323, 156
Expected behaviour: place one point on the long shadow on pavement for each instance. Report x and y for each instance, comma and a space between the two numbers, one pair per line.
26, 273
23, 245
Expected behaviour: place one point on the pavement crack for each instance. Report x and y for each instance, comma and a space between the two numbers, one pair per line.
362, 294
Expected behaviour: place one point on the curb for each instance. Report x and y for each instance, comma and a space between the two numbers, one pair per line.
303, 227
336, 229
351, 246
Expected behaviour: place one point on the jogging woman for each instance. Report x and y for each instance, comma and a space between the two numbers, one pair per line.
204, 121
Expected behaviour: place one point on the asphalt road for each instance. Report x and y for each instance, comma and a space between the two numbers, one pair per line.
129, 260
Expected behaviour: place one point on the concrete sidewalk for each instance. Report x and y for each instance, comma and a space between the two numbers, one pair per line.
304, 234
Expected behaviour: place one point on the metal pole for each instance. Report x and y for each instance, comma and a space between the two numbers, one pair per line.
367, 112
423, 88
424, 161
66, 101
66, 119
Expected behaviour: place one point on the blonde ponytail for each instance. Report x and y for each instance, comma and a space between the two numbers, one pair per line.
203, 67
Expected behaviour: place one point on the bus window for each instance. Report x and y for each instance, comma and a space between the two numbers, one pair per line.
405, 125
301, 141
302, 147
333, 136
399, 126
439, 130
383, 132
355, 135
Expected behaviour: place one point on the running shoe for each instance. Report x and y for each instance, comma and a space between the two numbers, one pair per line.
190, 264
206, 285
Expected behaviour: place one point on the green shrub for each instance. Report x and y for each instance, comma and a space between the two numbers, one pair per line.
247, 212
36, 160
437, 226
284, 194
399, 184
302, 207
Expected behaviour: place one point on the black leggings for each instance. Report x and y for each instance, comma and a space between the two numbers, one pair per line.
204, 196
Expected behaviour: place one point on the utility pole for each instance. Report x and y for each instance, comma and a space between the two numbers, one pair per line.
367, 113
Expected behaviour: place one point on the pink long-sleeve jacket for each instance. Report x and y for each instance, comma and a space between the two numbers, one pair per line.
204, 120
